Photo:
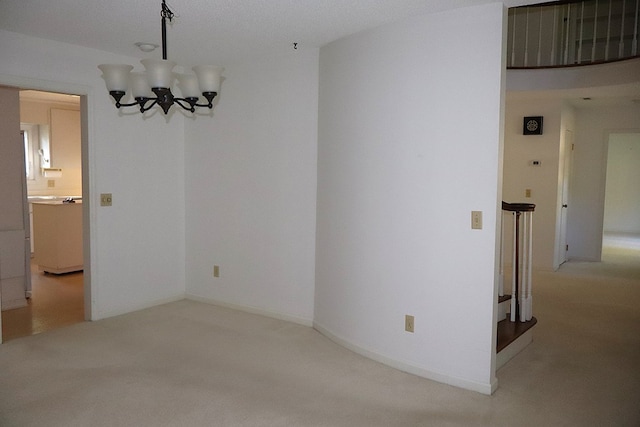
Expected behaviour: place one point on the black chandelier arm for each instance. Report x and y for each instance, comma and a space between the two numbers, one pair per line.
119, 104
142, 102
165, 99
185, 103
209, 96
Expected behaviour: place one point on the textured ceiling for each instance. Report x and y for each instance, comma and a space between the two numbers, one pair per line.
210, 31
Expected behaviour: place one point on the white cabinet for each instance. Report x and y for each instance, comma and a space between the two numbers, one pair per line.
58, 228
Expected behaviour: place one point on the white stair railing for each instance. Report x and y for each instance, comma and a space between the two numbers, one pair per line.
521, 260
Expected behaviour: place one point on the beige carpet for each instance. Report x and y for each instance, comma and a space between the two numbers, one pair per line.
192, 364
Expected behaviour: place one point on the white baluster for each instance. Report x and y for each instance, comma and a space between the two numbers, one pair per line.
634, 43
581, 32
566, 42
539, 36
522, 295
606, 48
595, 32
529, 302
621, 44
526, 40
553, 36
501, 275
513, 38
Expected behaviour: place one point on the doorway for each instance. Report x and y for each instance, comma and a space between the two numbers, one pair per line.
621, 221
54, 125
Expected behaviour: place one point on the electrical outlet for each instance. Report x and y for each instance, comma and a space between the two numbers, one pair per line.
51, 183
527, 192
106, 199
216, 271
476, 220
408, 323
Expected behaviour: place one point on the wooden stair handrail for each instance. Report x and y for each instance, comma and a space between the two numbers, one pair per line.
518, 207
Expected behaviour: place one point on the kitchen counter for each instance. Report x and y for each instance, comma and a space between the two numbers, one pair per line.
57, 228
40, 199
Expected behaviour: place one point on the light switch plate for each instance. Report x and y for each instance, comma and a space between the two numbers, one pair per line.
476, 220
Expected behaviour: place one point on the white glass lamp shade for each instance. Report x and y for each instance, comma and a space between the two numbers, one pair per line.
139, 85
208, 77
188, 85
159, 72
116, 76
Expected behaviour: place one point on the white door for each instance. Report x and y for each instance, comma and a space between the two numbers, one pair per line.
563, 245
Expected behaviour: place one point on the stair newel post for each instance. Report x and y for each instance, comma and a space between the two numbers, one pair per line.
501, 275
529, 268
514, 269
521, 299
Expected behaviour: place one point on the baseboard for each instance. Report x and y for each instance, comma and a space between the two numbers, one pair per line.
253, 310
13, 304
483, 388
13, 293
97, 315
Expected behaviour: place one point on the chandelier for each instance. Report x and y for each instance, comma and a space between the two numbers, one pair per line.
158, 78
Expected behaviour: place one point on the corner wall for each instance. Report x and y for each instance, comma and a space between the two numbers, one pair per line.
409, 144
251, 190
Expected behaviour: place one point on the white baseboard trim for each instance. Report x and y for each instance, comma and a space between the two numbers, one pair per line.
510, 351
253, 310
483, 388
13, 304
98, 315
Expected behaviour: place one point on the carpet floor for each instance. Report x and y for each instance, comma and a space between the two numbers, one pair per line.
193, 364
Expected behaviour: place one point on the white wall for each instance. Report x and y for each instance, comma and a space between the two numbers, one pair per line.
622, 194
137, 245
593, 127
251, 189
545, 180
409, 144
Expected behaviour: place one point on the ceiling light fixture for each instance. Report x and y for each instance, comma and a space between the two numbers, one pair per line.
146, 47
158, 78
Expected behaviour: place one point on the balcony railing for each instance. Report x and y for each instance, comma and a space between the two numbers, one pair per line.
572, 33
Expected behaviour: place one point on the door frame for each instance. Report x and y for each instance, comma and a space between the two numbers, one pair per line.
607, 165
87, 160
